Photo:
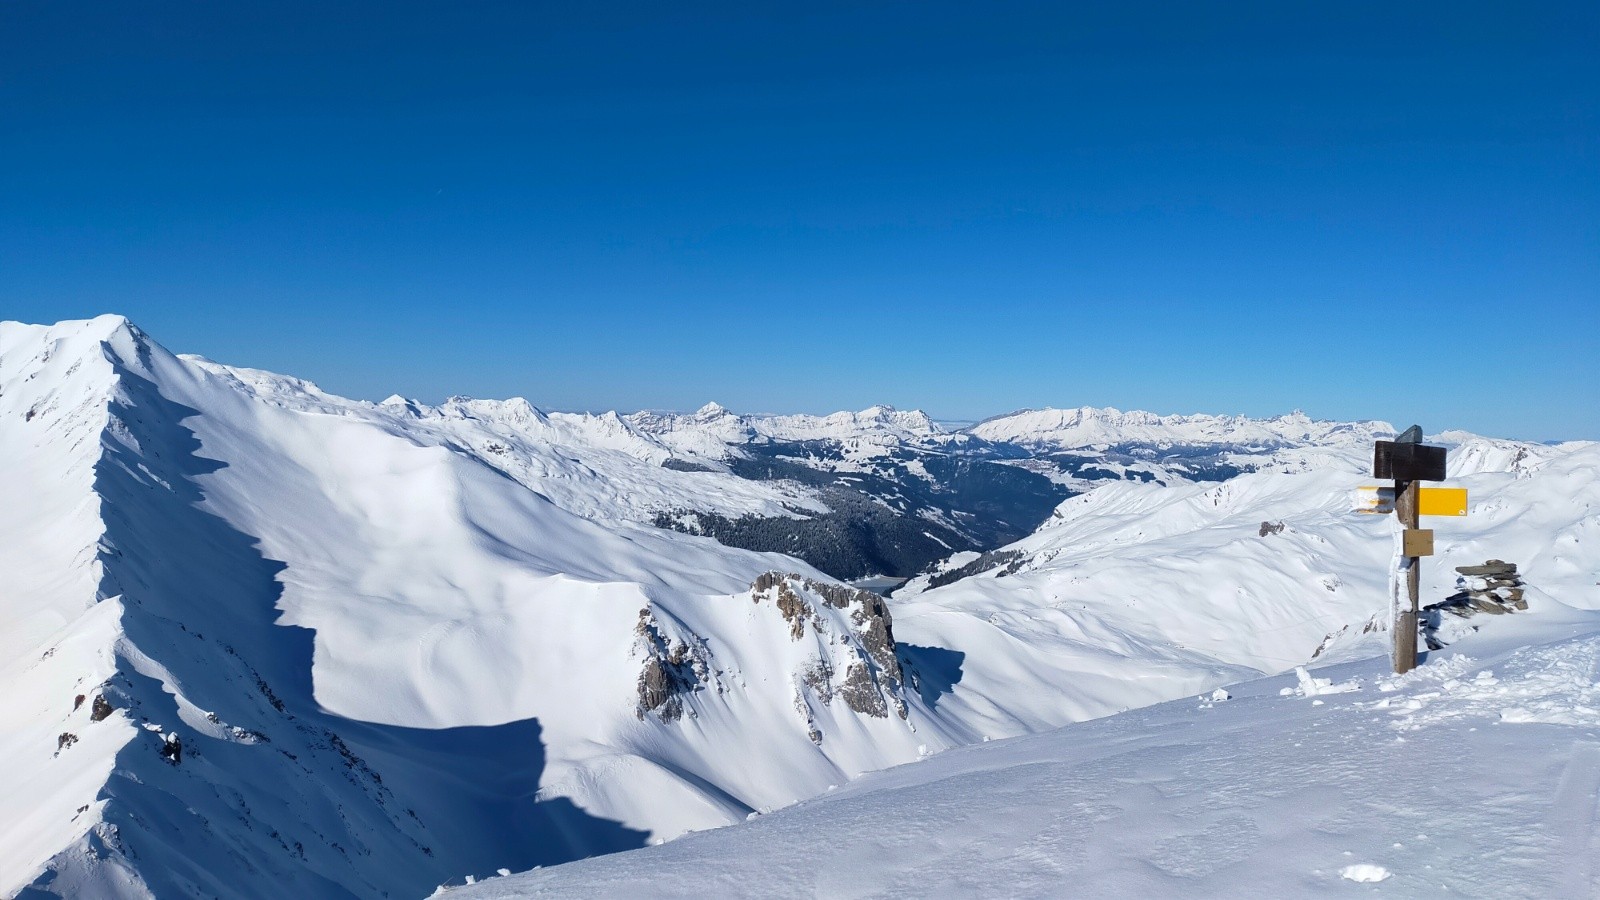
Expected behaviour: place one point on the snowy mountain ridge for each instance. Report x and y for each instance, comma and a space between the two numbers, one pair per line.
1091, 427
412, 641
946, 492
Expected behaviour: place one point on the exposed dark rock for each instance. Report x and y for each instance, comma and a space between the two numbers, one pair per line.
656, 687
172, 749
684, 465
672, 670
77, 702
876, 631
861, 693
766, 581
100, 709
1271, 528
864, 651
1484, 604
795, 611
67, 739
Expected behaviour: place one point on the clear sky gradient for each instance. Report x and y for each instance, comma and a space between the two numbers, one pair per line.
1361, 210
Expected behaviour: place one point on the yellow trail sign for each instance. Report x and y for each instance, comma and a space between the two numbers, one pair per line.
1436, 501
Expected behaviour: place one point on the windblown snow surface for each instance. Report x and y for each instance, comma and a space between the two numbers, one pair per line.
404, 645
1475, 775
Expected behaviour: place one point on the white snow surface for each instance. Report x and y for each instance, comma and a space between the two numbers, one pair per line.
1476, 775
407, 644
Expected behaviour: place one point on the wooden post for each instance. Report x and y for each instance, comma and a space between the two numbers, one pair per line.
1409, 462
1405, 620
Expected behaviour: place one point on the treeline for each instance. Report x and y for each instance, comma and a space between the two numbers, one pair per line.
1012, 561
857, 538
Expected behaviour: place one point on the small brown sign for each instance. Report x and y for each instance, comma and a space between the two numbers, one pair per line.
1417, 542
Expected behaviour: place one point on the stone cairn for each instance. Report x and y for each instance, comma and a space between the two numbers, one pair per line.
1494, 588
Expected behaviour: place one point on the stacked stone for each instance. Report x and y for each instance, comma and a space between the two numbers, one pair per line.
1494, 587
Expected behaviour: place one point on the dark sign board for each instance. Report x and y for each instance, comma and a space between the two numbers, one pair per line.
1407, 462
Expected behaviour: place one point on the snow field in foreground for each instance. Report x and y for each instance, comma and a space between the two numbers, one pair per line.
1471, 776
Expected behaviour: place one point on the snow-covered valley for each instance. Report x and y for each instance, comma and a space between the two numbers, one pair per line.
404, 644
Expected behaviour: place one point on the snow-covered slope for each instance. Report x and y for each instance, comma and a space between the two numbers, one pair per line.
389, 662
1132, 588
1475, 775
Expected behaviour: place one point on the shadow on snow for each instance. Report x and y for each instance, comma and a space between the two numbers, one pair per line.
935, 671
275, 796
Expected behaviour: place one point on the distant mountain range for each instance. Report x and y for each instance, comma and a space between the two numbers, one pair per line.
902, 492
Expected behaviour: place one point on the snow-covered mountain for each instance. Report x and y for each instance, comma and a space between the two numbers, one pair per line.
396, 643
1088, 427
402, 644
876, 426
1083, 448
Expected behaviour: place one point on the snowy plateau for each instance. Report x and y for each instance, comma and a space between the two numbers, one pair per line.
257, 640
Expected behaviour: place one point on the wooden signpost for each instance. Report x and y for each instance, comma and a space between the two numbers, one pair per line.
1409, 462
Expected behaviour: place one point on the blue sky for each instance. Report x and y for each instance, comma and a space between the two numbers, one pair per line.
1355, 209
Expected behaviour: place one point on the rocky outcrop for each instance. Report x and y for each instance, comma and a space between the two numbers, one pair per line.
844, 651
872, 676
673, 669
